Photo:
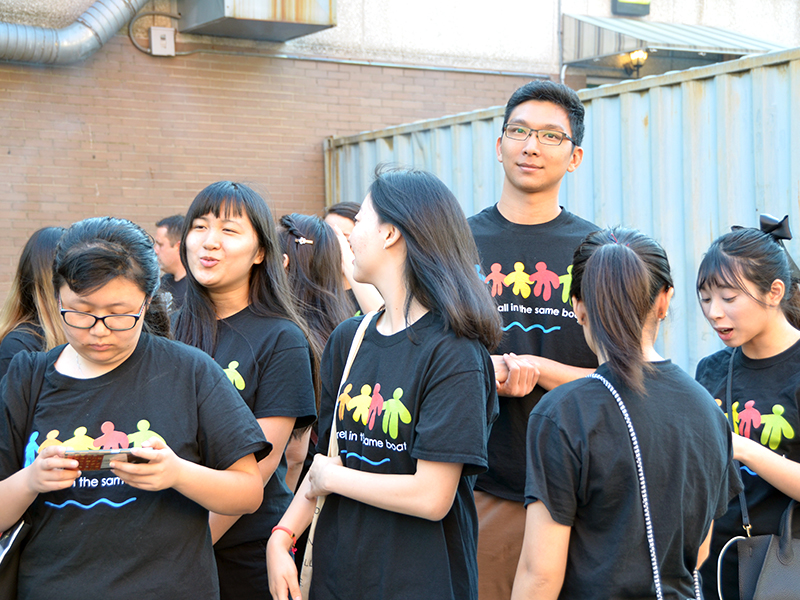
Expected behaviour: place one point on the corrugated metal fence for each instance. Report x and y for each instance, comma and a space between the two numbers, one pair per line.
681, 156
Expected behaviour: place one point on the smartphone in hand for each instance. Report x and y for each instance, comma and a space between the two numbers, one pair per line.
99, 460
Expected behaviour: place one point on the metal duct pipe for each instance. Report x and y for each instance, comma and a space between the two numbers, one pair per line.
45, 45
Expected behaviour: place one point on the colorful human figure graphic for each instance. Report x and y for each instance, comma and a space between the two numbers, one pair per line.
111, 440
344, 399
519, 278
143, 434
360, 404
31, 448
566, 284
749, 418
80, 441
394, 411
735, 409
545, 281
775, 428
236, 379
51, 439
375, 406
496, 278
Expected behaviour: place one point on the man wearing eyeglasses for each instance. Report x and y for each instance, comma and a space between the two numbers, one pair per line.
526, 242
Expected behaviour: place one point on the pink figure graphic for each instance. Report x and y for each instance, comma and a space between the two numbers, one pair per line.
376, 406
748, 418
546, 281
111, 440
496, 278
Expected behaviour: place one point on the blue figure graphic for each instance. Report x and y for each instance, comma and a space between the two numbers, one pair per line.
31, 449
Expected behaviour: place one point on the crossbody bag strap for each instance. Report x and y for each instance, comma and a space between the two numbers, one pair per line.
729, 407
648, 523
333, 443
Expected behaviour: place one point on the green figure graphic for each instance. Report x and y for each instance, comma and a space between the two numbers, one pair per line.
143, 434
80, 441
775, 428
360, 404
344, 399
236, 379
393, 412
520, 280
566, 282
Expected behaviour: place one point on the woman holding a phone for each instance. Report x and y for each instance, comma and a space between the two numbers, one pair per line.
138, 530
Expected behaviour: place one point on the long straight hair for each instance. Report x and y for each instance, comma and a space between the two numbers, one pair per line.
32, 299
618, 274
748, 254
269, 296
441, 253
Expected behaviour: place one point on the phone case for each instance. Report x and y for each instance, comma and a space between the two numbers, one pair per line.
99, 460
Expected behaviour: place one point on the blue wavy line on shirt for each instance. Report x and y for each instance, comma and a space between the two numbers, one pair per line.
358, 456
93, 504
750, 471
526, 329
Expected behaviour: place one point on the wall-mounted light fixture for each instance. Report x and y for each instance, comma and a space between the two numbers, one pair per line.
637, 59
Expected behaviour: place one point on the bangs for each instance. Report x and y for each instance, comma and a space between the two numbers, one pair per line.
718, 269
219, 205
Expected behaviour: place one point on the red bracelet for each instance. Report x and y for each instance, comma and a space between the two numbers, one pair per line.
293, 549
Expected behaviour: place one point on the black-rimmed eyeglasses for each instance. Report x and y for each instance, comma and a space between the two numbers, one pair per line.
82, 320
548, 137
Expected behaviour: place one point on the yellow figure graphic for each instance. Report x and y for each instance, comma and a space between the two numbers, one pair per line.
143, 434
775, 428
520, 280
344, 400
394, 411
360, 404
51, 440
236, 379
80, 441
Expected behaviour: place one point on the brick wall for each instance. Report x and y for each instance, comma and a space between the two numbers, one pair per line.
135, 136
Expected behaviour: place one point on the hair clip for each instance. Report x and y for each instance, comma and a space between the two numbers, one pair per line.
301, 240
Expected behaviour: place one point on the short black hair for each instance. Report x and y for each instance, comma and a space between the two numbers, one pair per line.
174, 225
348, 210
549, 91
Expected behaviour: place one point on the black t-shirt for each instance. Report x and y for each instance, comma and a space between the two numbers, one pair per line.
267, 359
423, 394
24, 337
173, 291
102, 536
581, 465
537, 319
766, 403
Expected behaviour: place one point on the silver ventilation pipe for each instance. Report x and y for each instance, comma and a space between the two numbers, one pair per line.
45, 45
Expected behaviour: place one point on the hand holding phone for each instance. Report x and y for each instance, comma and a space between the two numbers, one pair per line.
99, 460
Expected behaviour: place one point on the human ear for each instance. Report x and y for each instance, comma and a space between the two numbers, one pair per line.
285, 261
776, 292
575, 159
497, 149
391, 237
579, 308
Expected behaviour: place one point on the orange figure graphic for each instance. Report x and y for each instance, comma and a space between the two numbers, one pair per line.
496, 278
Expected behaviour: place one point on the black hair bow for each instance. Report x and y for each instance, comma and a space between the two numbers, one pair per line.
778, 230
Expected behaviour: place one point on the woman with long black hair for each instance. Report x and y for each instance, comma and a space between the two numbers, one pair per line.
412, 416
240, 310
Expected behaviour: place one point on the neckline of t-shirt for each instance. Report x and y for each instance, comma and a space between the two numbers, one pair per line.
104, 379
765, 363
558, 221
376, 337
